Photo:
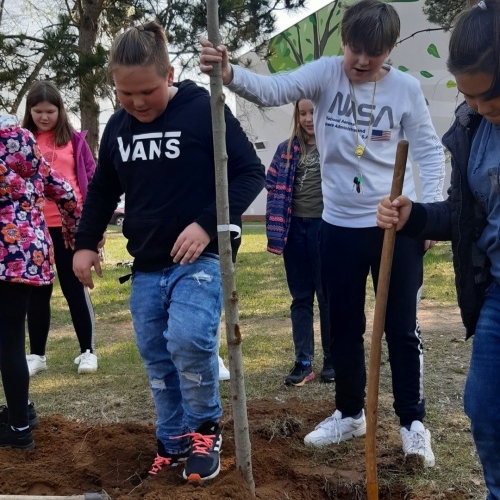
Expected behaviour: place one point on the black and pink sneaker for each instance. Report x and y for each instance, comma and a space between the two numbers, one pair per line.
203, 462
300, 374
164, 459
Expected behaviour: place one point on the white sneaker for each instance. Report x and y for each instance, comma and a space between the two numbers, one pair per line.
417, 441
223, 371
336, 429
36, 363
87, 362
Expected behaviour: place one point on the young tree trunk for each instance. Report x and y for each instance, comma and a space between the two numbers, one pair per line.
233, 335
89, 107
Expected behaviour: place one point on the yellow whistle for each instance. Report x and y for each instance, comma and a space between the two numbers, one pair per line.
359, 151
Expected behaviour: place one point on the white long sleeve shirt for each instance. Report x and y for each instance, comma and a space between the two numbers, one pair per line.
399, 112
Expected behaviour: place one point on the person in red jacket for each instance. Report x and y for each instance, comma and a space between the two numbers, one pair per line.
470, 219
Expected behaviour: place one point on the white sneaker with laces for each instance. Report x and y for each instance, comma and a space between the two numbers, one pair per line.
417, 441
223, 371
36, 363
87, 362
335, 429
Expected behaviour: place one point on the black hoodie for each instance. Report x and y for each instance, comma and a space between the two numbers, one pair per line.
166, 170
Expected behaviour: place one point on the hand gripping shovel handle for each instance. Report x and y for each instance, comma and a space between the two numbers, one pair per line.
378, 329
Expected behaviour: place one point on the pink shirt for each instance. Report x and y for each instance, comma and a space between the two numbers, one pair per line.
62, 160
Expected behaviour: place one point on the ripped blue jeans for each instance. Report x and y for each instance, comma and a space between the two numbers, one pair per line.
176, 313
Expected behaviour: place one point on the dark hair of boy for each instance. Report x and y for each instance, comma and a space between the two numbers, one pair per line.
371, 26
471, 50
42, 91
145, 45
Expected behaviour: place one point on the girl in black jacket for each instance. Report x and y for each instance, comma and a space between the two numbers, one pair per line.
470, 218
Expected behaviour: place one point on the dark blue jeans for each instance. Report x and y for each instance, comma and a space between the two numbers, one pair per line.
482, 390
303, 275
176, 313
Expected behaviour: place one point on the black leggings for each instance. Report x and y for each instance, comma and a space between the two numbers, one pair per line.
14, 298
77, 297
348, 256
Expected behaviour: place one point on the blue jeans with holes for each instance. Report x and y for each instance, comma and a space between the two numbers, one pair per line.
176, 313
482, 390
303, 275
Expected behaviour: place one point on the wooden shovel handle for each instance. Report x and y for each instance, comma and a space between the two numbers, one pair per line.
378, 329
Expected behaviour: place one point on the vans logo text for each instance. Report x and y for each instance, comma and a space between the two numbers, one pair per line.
149, 146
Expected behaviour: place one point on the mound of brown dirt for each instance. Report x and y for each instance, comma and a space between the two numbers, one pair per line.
73, 458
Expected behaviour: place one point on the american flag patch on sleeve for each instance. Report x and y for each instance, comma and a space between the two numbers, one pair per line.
380, 135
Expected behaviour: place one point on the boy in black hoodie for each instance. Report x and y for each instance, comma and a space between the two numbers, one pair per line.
158, 150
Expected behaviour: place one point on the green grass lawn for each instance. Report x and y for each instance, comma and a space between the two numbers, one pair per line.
260, 279
119, 390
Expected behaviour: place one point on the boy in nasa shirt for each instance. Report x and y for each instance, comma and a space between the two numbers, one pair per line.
158, 150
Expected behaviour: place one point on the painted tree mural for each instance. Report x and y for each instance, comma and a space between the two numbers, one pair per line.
315, 36
319, 35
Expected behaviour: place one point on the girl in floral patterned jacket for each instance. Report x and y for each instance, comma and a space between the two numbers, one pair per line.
26, 261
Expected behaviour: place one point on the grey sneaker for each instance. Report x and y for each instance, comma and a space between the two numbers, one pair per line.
417, 441
335, 429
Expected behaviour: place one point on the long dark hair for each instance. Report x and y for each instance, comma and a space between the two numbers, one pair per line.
475, 43
46, 91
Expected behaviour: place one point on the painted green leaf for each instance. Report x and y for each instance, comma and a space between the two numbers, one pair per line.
286, 53
294, 42
287, 34
451, 84
312, 19
308, 40
433, 51
310, 57
426, 74
402, 68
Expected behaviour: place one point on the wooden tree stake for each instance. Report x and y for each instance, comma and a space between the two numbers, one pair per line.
378, 330
233, 335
